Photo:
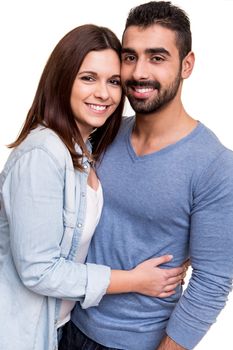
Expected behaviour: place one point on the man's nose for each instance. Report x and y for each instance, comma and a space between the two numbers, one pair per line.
141, 70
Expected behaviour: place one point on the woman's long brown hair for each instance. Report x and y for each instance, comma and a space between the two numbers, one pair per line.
51, 105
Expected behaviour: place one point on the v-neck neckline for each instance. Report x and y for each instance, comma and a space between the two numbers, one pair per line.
162, 151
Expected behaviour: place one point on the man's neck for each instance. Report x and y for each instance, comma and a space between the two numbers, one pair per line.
155, 131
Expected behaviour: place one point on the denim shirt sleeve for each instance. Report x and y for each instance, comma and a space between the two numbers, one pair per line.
211, 247
33, 198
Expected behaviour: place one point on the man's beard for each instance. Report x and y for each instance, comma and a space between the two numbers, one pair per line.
163, 97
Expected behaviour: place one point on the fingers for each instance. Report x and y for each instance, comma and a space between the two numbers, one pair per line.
170, 287
173, 271
176, 279
176, 271
162, 260
166, 294
179, 279
166, 258
173, 282
168, 290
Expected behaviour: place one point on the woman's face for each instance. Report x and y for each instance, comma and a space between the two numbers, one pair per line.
96, 91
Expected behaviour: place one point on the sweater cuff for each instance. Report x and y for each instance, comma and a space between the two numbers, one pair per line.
184, 334
98, 279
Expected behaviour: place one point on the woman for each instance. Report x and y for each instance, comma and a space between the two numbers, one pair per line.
51, 199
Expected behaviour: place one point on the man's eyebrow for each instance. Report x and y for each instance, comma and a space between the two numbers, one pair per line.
128, 50
156, 50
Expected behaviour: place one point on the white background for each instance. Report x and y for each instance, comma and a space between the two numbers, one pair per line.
29, 30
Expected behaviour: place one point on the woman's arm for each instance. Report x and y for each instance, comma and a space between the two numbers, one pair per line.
148, 279
33, 197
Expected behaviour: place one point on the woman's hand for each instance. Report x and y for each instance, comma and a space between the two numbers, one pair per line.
149, 279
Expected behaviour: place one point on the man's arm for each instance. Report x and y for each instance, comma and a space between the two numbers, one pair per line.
211, 246
168, 344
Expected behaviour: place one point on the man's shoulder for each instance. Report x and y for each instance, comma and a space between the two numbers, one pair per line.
207, 136
224, 162
214, 161
206, 146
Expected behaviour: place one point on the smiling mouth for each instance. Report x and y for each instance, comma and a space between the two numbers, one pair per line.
97, 107
143, 90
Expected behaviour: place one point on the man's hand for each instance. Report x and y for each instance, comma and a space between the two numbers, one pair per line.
169, 344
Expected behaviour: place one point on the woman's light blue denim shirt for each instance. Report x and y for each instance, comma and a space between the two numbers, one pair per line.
43, 207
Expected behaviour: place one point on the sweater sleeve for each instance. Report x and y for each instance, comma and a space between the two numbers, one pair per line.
33, 198
211, 247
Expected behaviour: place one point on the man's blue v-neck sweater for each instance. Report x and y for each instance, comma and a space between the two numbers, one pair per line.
178, 201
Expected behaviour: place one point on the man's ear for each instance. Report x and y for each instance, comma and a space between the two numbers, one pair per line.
187, 65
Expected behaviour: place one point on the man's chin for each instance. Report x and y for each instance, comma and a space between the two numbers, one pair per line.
141, 107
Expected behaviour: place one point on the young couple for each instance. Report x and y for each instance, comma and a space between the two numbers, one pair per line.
164, 178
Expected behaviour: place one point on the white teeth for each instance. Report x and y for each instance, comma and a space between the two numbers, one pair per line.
143, 90
97, 107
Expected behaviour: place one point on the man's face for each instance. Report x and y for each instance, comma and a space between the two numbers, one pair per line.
151, 67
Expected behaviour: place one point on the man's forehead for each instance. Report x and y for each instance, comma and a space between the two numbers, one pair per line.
150, 37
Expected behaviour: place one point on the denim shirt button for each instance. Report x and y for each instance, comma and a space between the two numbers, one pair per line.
79, 225
85, 166
83, 194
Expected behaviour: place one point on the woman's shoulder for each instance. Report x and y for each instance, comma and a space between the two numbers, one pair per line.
46, 141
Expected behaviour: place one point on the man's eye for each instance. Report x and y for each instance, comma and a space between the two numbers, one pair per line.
87, 78
157, 59
129, 58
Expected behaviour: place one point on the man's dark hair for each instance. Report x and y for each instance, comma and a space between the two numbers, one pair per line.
167, 15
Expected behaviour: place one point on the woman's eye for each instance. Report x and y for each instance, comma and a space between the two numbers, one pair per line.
87, 78
115, 82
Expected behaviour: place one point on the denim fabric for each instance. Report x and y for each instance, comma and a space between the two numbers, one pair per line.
42, 211
74, 339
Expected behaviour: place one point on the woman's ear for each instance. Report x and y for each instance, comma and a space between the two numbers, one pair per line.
187, 65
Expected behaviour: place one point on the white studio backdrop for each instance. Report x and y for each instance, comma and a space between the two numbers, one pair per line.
30, 29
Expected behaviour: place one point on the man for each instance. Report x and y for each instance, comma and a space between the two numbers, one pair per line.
168, 189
